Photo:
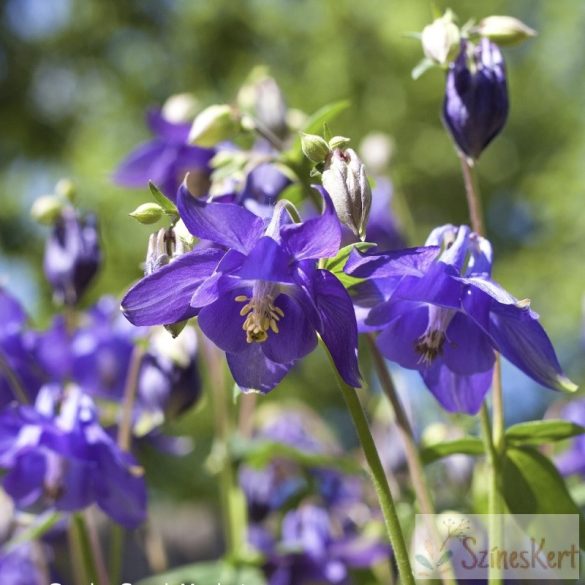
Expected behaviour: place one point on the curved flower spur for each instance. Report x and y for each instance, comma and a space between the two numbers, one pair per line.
439, 312
257, 290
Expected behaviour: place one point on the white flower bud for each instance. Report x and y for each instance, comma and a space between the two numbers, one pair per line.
213, 125
180, 108
65, 188
47, 209
505, 30
440, 40
344, 178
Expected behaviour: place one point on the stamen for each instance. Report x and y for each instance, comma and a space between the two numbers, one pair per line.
262, 315
431, 343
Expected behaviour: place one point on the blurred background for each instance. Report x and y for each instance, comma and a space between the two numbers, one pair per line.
76, 77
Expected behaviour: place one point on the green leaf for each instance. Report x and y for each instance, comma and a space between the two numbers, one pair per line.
209, 573
533, 485
259, 453
542, 431
444, 557
424, 562
423, 66
465, 446
337, 264
166, 204
324, 115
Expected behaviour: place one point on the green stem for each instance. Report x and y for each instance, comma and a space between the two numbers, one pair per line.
379, 480
84, 541
413, 461
494, 437
116, 548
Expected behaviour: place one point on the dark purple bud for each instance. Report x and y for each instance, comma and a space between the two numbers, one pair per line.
72, 255
476, 105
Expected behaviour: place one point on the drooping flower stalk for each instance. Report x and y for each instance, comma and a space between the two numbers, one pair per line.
378, 475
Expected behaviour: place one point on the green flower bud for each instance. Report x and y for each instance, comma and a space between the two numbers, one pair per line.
213, 125
65, 188
315, 148
344, 178
47, 209
505, 30
339, 142
440, 40
148, 213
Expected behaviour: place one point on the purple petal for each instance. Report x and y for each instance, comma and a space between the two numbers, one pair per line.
12, 315
222, 322
408, 262
252, 370
24, 482
339, 328
267, 261
467, 349
226, 224
169, 131
148, 162
296, 337
397, 341
164, 297
315, 238
517, 334
455, 392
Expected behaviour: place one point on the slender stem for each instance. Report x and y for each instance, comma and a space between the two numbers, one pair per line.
494, 436
116, 547
13, 381
233, 501
415, 466
130, 391
88, 559
378, 475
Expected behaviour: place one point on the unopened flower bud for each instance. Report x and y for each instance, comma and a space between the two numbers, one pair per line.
147, 213
65, 188
315, 147
339, 142
47, 209
344, 178
213, 125
440, 40
180, 108
163, 247
505, 30
475, 107
72, 255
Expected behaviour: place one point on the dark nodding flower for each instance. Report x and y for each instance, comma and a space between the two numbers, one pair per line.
476, 106
258, 292
439, 312
165, 159
72, 255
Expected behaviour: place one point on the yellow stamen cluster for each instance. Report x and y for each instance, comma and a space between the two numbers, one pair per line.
262, 315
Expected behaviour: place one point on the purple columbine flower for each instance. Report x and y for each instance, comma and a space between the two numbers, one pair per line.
476, 106
22, 566
258, 293
441, 313
72, 255
56, 454
165, 159
572, 461
312, 550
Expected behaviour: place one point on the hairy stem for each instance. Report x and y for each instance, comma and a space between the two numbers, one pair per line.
378, 475
413, 461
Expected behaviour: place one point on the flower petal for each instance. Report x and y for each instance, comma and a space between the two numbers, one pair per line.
169, 131
319, 237
252, 370
148, 162
222, 322
517, 334
339, 328
163, 297
296, 337
267, 261
455, 392
226, 224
